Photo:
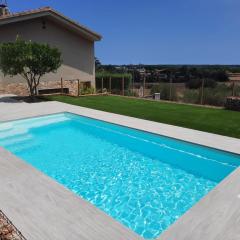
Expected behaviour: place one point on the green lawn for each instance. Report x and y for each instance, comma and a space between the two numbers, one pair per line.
201, 118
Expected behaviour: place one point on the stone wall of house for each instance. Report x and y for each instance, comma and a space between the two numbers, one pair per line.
21, 89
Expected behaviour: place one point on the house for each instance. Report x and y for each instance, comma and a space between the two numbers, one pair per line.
45, 25
233, 77
234, 80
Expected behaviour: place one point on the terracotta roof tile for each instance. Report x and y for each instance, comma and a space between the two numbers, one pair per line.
16, 14
234, 76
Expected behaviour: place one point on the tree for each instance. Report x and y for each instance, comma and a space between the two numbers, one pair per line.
30, 60
98, 64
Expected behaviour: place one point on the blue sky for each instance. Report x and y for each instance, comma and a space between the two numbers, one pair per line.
156, 31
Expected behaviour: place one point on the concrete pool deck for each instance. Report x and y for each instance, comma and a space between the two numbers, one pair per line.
43, 209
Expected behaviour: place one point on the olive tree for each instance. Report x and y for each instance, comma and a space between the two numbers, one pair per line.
29, 59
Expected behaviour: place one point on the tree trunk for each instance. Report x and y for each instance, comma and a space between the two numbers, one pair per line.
170, 87
32, 87
29, 82
202, 91
35, 90
33, 82
31, 91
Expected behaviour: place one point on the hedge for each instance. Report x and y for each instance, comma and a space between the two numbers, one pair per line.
233, 103
116, 82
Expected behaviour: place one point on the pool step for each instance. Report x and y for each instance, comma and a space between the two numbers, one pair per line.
13, 129
13, 140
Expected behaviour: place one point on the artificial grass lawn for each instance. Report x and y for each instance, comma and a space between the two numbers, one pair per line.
212, 120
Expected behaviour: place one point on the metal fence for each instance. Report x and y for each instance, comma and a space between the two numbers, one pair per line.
178, 92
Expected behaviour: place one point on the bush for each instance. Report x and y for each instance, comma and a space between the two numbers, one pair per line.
193, 83
130, 93
164, 90
237, 91
86, 91
211, 96
191, 96
233, 103
197, 83
116, 82
216, 96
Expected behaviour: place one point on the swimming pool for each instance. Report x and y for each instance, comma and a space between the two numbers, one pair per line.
144, 181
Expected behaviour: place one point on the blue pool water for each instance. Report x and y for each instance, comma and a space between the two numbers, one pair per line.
144, 181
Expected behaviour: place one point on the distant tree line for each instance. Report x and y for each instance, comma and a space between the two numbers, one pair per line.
176, 73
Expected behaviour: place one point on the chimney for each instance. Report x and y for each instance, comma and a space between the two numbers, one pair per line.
4, 9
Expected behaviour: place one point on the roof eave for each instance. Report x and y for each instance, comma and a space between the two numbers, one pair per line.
75, 26
55, 15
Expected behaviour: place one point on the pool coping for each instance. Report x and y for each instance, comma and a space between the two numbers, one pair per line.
213, 199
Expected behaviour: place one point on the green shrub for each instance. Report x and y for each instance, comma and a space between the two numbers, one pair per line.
233, 103
216, 96
86, 91
197, 83
116, 82
211, 96
130, 93
191, 96
237, 91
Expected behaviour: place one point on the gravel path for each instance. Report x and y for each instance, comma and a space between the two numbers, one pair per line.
7, 229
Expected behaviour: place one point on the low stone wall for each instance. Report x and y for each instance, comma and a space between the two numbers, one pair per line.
21, 89
73, 87
233, 103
